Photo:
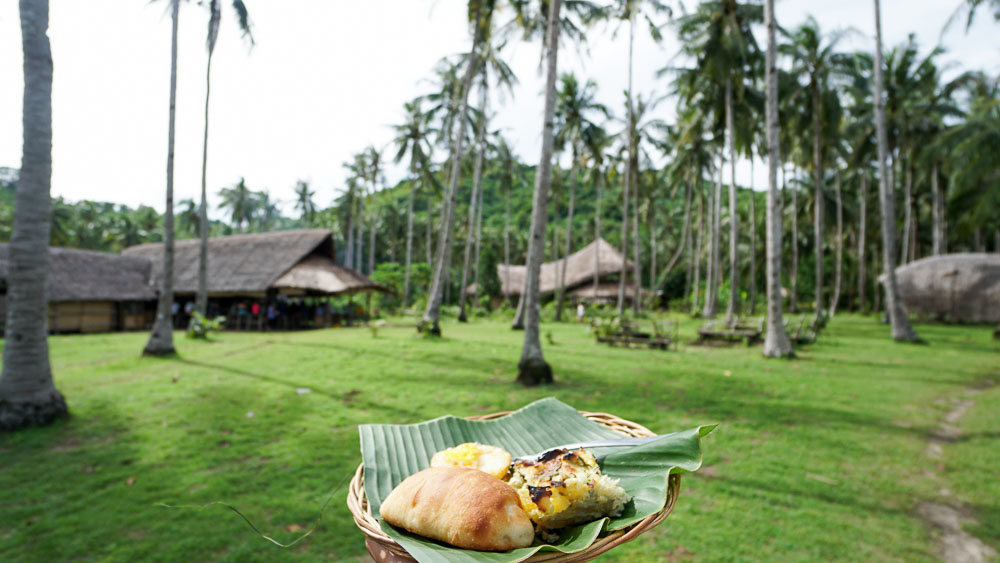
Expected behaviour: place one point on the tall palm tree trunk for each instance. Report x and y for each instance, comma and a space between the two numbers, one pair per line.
776, 343
597, 233
443, 258
753, 243
937, 213
904, 253
409, 239
636, 243
838, 267
161, 339
793, 298
624, 244
714, 263
862, 240
473, 199
901, 330
569, 235
479, 243
734, 273
629, 130
428, 244
696, 258
201, 297
817, 198
506, 246
533, 369
28, 395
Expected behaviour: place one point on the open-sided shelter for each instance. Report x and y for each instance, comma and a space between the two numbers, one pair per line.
953, 287
598, 259
249, 273
92, 291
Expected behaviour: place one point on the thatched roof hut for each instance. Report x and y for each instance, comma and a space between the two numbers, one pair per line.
597, 257
295, 263
84, 275
953, 287
92, 291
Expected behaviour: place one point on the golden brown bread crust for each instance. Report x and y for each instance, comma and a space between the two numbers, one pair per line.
460, 506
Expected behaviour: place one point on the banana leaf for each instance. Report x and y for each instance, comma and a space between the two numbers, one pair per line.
393, 452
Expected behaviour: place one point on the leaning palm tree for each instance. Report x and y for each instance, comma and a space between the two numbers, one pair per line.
214, 18
161, 339
480, 14
776, 343
28, 396
901, 330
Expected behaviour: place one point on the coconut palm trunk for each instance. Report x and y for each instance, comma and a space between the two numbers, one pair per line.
533, 369
429, 321
428, 244
904, 253
696, 258
937, 213
473, 199
753, 243
28, 396
734, 272
201, 297
479, 244
776, 343
624, 244
862, 240
161, 339
636, 242
901, 330
793, 298
506, 245
817, 198
409, 237
569, 234
715, 264
597, 233
839, 265
630, 131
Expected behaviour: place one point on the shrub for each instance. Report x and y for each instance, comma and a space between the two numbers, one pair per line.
200, 325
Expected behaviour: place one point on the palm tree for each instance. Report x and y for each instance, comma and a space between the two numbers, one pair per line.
480, 14
817, 61
28, 396
265, 210
718, 36
901, 330
533, 369
214, 18
574, 104
374, 168
776, 343
241, 202
189, 217
161, 339
413, 137
304, 202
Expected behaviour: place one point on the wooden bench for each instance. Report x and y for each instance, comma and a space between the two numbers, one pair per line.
803, 334
748, 331
631, 335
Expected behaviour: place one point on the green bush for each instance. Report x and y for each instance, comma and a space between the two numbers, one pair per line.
200, 325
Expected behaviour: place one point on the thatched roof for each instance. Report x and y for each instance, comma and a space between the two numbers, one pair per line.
605, 293
302, 260
84, 275
954, 287
580, 268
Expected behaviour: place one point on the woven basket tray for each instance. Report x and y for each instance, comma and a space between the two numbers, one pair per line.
385, 550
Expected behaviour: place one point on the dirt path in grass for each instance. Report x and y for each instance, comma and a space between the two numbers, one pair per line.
947, 517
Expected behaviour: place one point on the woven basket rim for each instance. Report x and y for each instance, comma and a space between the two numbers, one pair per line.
357, 503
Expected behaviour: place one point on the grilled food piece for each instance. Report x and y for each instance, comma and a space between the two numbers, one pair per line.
490, 459
565, 488
460, 506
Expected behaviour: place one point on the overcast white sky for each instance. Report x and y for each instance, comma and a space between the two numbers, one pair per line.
326, 78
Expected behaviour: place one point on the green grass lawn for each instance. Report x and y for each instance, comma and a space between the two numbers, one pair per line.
821, 457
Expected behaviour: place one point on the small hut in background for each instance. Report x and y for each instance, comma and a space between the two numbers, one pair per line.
598, 260
92, 291
962, 288
281, 279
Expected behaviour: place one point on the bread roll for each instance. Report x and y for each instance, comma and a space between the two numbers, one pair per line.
460, 506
